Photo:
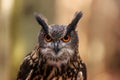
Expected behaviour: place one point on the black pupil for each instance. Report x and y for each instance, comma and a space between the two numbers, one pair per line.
48, 37
66, 37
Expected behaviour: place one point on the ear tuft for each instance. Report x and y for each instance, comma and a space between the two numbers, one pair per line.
41, 20
74, 22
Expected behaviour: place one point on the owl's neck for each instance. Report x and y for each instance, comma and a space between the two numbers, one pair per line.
56, 61
49, 68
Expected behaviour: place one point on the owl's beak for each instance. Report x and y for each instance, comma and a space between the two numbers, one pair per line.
56, 47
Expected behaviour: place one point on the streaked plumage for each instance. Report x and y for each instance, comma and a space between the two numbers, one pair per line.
56, 56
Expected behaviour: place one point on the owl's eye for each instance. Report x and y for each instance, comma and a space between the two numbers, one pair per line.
66, 38
47, 38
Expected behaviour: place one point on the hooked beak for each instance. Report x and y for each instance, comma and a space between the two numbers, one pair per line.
56, 47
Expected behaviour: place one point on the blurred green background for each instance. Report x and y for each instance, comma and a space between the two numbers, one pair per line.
99, 33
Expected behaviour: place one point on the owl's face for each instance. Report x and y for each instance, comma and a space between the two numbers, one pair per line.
58, 42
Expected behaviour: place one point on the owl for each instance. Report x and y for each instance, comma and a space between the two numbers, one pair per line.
56, 55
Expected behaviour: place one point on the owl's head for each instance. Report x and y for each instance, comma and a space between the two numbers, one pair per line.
58, 42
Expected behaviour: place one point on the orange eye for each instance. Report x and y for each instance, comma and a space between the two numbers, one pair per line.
47, 38
66, 38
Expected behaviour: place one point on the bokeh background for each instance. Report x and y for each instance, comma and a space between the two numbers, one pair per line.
99, 33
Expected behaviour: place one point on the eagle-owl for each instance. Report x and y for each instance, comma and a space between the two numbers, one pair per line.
56, 55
